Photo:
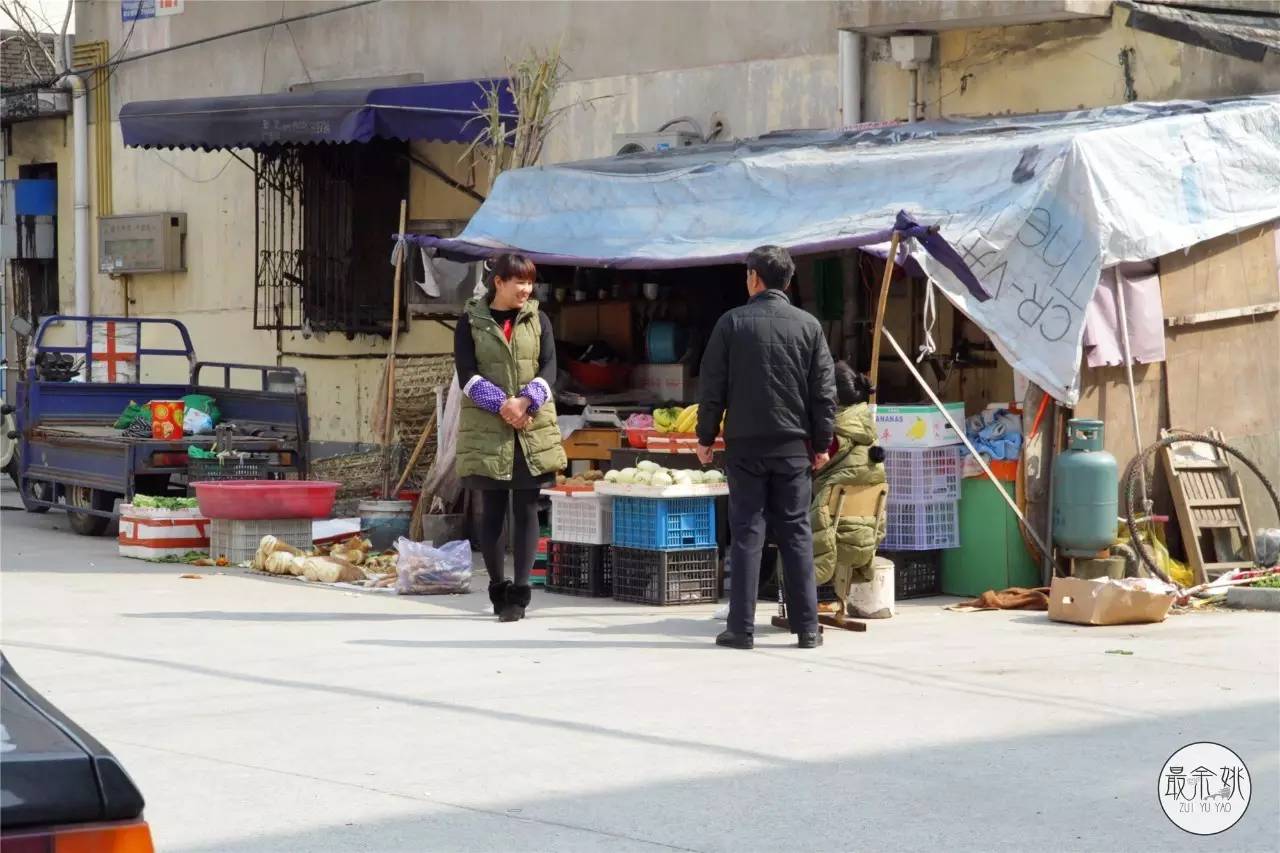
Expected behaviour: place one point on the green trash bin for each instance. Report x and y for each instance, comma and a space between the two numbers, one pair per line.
992, 554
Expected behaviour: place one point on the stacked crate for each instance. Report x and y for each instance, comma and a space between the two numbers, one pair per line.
923, 514
578, 555
664, 550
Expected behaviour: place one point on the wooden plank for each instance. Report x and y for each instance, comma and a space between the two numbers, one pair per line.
1104, 395
1190, 538
1205, 503
1223, 314
1227, 272
1217, 372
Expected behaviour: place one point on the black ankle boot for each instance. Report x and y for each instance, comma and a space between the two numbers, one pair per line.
498, 595
518, 598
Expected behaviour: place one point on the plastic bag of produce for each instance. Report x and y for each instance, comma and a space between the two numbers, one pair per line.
1267, 544
196, 422
423, 569
132, 412
204, 403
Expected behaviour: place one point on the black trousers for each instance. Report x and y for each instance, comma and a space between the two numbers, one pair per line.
771, 494
524, 538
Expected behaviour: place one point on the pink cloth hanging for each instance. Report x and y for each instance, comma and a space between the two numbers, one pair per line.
1145, 309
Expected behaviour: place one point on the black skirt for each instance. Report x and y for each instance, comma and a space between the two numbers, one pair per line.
521, 478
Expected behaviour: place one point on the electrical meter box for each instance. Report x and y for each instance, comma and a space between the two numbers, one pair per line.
142, 242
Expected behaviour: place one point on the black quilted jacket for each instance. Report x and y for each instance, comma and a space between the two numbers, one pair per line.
769, 365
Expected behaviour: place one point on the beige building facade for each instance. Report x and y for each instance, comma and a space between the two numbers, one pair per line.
752, 67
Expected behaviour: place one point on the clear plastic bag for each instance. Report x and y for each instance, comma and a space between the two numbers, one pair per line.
423, 569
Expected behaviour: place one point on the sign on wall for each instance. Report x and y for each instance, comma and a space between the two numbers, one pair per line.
138, 10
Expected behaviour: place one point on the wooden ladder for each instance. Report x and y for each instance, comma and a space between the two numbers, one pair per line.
1210, 505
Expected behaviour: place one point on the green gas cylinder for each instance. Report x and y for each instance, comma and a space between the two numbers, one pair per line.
1085, 492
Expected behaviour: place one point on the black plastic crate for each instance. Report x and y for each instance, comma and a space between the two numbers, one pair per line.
577, 569
916, 574
229, 468
666, 577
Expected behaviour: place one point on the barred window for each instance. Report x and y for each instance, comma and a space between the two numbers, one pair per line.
326, 215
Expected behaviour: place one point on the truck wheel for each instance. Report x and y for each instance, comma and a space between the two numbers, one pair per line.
34, 490
87, 498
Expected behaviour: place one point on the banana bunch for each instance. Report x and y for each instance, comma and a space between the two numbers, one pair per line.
688, 420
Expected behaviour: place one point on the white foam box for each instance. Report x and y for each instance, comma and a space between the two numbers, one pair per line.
668, 381
153, 534
917, 426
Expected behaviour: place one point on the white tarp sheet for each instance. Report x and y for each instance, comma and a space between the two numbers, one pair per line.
1037, 206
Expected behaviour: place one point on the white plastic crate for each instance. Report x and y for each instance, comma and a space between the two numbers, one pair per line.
238, 540
923, 474
585, 518
922, 526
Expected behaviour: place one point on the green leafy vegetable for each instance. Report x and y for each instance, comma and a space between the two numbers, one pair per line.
149, 502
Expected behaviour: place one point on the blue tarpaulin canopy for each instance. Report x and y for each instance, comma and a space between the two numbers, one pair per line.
437, 111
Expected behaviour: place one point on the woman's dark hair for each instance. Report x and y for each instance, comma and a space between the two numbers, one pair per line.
509, 265
851, 387
774, 266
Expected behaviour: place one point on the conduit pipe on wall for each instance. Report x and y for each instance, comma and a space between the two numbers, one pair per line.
850, 71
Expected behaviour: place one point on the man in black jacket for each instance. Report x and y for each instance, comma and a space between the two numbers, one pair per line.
769, 366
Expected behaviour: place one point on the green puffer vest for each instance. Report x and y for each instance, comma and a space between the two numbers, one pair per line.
486, 444
843, 549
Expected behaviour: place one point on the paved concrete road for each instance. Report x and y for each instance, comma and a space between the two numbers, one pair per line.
260, 714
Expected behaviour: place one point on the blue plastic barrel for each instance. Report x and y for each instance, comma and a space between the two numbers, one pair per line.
665, 342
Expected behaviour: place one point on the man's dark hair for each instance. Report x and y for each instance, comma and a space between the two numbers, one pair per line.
774, 266
851, 387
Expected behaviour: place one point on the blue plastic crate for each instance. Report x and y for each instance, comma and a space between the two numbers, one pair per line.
664, 524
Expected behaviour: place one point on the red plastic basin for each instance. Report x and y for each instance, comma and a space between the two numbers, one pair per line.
255, 499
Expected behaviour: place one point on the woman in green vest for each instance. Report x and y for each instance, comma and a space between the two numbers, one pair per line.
508, 438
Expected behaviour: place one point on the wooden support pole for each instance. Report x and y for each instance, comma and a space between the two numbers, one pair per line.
388, 426
881, 305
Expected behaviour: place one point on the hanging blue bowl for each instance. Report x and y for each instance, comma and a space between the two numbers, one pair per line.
665, 342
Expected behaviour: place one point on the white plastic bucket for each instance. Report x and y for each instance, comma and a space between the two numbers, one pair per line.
874, 599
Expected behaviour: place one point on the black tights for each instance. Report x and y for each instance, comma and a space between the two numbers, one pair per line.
524, 535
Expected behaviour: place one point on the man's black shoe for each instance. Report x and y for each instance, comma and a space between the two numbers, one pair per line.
734, 640
810, 641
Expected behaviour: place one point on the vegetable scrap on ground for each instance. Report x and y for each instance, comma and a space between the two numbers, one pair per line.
350, 561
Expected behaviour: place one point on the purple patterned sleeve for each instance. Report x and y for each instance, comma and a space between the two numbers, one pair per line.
537, 392
485, 394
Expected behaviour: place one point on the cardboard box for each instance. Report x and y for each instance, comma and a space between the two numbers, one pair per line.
668, 381
1131, 601
917, 426
588, 322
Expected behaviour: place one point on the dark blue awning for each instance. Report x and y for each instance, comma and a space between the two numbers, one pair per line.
435, 111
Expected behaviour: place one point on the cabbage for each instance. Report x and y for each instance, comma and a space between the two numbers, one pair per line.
627, 475
643, 478
662, 478
682, 476
695, 478
648, 465
611, 476
713, 476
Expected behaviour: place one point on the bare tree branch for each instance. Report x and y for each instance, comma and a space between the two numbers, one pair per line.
62, 37
20, 13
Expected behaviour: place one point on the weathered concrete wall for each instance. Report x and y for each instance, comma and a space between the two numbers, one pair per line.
761, 66
448, 40
1058, 66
